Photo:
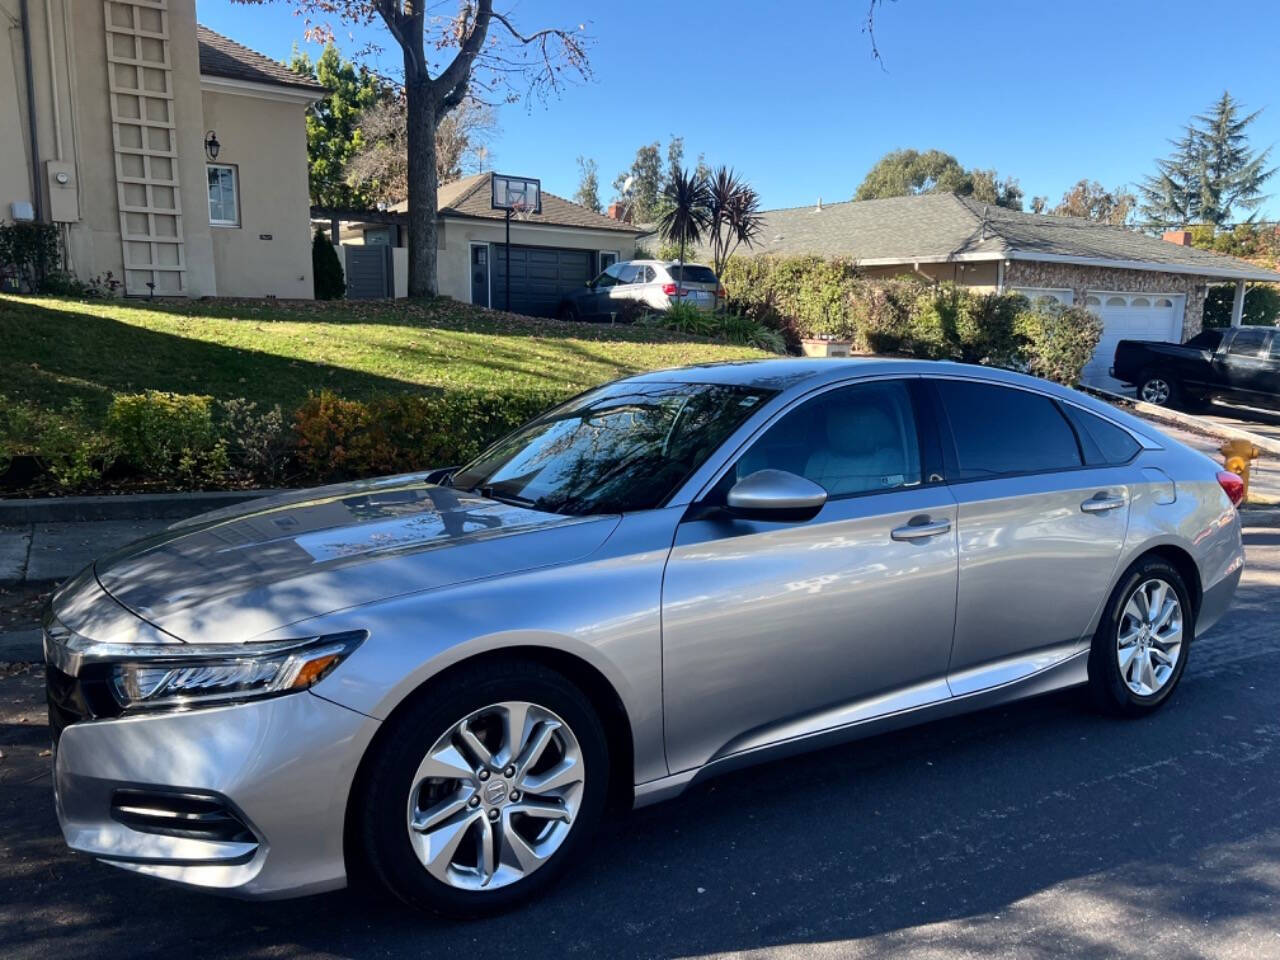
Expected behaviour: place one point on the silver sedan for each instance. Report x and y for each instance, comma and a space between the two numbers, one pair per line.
441, 683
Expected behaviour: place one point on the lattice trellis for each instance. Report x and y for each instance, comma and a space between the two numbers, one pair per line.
144, 135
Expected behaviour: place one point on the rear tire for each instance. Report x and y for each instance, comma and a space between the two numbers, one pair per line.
1157, 387
1140, 649
416, 774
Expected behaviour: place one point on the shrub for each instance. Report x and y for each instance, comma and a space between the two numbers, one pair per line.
326, 270
259, 443
338, 439
1261, 305
29, 253
882, 315
1057, 341
799, 296
74, 455
169, 436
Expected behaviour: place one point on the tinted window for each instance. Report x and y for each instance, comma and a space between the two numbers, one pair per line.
1103, 442
692, 273
628, 273
1000, 430
858, 439
625, 446
1247, 342
1275, 348
1206, 340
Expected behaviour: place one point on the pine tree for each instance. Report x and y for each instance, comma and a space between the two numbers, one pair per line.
1212, 172
588, 193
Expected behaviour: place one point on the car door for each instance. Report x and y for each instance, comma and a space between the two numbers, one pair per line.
776, 630
1040, 529
623, 290
1247, 371
596, 303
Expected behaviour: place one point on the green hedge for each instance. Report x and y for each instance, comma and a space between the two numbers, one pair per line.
814, 297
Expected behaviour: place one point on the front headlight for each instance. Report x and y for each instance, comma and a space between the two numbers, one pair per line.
178, 677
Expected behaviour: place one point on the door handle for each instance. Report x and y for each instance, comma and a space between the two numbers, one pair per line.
1102, 504
920, 531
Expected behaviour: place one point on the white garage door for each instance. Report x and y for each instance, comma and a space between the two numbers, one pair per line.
1129, 316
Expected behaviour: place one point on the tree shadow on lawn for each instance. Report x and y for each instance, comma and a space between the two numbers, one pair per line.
54, 356
442, 313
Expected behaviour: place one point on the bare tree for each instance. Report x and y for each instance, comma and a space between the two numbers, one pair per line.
380, 166
445, 61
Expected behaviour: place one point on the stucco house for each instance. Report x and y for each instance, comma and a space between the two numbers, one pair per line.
1142, 287
552, 251
167, 154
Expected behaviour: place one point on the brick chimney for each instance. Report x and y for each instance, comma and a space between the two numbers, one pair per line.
618, 211
1181, 237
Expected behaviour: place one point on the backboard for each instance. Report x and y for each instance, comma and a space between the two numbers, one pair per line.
516, 193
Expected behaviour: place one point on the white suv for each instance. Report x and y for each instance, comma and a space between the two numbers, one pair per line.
648, 284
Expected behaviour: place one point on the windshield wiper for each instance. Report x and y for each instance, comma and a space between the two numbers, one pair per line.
509, 498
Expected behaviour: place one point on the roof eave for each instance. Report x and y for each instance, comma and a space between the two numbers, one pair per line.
1226, 272
265, 90
450, 212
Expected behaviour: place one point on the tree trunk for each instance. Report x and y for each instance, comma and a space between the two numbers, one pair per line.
421, 114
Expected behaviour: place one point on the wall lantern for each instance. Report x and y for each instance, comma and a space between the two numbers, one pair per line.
211, 145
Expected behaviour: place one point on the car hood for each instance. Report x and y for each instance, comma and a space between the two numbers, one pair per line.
231, 575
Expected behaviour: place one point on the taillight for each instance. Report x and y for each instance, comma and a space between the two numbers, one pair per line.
720, 292
1232, 486
669, 289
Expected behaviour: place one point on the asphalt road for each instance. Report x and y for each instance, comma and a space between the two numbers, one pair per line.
1039, 830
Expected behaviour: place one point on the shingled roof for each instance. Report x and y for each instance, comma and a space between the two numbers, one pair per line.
942, 227
471, 196
222, 57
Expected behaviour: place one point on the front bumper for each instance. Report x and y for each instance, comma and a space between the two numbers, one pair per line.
283, 767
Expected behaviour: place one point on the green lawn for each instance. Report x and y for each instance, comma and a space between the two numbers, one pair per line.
54, 350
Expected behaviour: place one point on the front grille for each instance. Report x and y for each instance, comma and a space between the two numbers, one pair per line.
193, 816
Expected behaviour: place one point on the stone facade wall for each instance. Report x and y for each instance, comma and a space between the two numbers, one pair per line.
1061, 276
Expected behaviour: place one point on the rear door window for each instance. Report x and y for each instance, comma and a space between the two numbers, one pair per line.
1001, 431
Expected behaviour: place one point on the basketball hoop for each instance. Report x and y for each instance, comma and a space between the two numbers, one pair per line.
517, 197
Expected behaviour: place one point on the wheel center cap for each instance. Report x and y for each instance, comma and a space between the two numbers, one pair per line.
495, 792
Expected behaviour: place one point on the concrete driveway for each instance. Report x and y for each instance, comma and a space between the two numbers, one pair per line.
1039, 830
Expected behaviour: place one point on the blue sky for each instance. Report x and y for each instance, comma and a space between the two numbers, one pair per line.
1048, 92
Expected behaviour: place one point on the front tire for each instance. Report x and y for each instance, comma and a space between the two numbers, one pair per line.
482, 790
568, 313
1141, 646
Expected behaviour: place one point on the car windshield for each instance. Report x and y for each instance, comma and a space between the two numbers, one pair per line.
622, 447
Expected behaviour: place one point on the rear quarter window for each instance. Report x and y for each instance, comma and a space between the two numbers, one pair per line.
1104, 443
692, 273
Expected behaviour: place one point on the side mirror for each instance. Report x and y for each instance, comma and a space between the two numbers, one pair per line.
776, 495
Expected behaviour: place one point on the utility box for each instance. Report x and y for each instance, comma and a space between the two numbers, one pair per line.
64, 192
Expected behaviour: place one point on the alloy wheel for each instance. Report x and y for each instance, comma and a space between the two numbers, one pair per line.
1156, 390
496, 796
1149, 640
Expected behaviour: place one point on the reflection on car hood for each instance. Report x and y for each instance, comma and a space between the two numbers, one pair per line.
236, 573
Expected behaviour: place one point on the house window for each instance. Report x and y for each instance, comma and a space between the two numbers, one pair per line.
608, 258
224, 207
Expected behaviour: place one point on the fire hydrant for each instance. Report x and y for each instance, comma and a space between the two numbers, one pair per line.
1237, 455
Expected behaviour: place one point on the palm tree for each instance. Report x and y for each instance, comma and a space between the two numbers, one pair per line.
688, 212
735, 216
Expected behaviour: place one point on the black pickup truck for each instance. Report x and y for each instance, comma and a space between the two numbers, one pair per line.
1240, 364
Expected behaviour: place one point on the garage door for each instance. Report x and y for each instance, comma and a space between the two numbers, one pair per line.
540, 277
1129, 316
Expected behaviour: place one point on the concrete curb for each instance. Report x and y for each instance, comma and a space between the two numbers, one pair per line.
126, 506
1186, 421
1259, 517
